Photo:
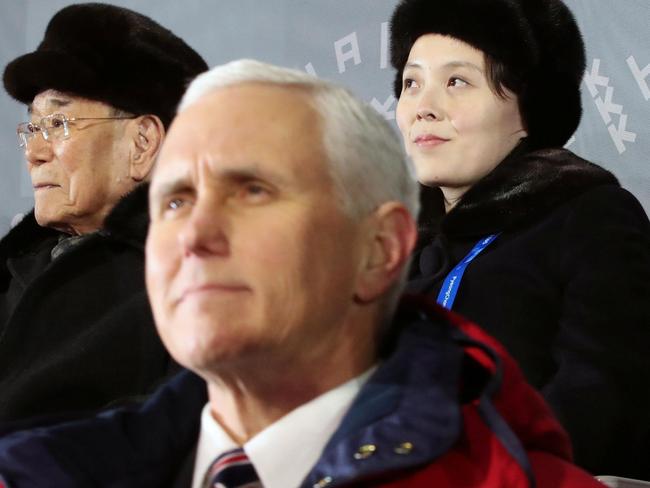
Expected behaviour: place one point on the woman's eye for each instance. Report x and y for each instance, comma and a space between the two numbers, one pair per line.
409, 83
456, 81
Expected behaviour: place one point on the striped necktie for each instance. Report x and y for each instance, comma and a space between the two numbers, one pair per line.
232, 469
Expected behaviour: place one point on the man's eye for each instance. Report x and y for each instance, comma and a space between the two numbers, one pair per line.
172, 205
33, 128
173, 208
57, 122
175, 204
255, 189
254, 192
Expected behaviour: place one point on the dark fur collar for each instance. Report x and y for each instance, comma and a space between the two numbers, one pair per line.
129, 219
127, 222
523, 187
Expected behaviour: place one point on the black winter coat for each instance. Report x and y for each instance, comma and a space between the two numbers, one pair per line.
77, 333
565, 287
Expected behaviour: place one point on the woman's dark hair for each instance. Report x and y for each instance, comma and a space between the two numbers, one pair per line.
502, 77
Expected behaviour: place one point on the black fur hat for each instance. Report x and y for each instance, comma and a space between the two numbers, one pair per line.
538, 39
109, 54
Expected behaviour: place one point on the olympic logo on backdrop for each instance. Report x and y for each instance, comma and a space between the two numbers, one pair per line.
607, 108
348, 53
641, 76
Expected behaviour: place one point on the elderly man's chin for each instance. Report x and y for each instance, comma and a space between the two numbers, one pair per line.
207, 345
49, 208
198, 331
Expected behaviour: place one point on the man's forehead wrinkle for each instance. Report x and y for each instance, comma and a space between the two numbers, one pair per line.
169, 178
167, 186
58, 102
230, 171
49, 104
208, 169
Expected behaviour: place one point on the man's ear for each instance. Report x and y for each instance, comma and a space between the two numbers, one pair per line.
148, 134
391, 238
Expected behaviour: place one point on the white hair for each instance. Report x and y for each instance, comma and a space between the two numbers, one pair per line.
365, 156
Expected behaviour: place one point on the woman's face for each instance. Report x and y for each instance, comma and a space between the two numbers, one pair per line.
455, 128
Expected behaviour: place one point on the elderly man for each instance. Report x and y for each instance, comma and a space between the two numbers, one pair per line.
282, 222
76, 330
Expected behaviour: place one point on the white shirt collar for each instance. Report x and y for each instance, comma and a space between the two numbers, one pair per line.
213, 441
284, 452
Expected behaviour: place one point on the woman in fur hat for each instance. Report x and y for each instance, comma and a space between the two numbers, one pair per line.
542, 248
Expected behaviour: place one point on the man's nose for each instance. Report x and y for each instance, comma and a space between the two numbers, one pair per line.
38, 150
205, 232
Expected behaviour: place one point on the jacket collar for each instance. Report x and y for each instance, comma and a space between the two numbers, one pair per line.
525, 185
412, 398
440, 363
129, 219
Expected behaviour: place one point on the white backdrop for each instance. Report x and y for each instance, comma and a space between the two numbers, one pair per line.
347, 41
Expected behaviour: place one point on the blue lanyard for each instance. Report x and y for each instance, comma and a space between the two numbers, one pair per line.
451, 284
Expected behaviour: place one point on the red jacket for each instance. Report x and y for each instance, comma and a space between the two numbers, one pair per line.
479, 459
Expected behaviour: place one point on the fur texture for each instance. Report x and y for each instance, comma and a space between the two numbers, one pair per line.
522, 188
110, 54
538, 39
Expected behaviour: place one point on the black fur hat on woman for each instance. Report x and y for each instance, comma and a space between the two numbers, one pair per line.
537, 39
109, 54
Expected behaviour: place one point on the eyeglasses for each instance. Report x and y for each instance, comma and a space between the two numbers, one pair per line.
53, 127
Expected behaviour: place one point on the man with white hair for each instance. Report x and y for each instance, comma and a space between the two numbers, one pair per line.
282, 221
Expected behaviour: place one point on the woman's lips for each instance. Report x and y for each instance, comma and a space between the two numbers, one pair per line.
429, 140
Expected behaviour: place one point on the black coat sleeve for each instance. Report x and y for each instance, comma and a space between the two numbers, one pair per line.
601, 391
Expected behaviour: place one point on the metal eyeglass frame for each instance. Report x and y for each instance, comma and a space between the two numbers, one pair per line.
28, 130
